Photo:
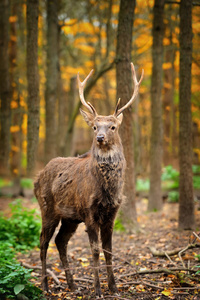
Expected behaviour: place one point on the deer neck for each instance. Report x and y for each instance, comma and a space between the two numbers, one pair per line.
108, 155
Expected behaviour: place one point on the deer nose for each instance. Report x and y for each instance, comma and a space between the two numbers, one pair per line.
100, 138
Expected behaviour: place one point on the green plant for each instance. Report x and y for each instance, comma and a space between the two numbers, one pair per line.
198, 271
19, 232
196, 169
14, 279
196, 182
142, 184
170, 177
26, 183
173, 196
4, 182
118, 226
22, 229
198, 257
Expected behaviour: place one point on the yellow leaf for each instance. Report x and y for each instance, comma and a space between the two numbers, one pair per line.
13, 38
14, 128
167, 66
14, 104
57, 269
115, 9
12, 19
15, 148
167, 293
86, 48
15, 171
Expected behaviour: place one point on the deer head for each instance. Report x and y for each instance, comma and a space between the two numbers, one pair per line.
106, 127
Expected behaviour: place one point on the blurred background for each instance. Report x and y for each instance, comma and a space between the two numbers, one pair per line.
44, 44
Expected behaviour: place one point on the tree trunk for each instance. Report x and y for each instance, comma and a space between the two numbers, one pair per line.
124, 80
16, 133
51, 77
5, 113
70, 107
186, 206
33, 83
170, 143
155, 195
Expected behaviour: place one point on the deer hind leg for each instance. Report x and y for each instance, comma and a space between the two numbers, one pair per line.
106, 238
93, 233
66, 231
48, 228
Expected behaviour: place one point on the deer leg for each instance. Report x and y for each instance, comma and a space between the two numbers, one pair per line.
66, 231
106, 238
45, 236
93, 234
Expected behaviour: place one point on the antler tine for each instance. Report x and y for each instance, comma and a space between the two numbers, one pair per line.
135, 93
81, 86
117, 107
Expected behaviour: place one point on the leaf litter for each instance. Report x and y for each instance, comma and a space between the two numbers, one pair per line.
140, 270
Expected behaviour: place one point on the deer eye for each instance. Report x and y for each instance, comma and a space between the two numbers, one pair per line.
95, 128
113, 128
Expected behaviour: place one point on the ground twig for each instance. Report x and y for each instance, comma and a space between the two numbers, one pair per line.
155, 252
51, 273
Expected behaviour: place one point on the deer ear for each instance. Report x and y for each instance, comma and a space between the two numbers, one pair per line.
89, 118
120, 118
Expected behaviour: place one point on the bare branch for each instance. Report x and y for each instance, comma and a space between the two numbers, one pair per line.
51, 273
172, 252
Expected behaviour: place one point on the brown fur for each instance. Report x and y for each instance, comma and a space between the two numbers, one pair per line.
84, 189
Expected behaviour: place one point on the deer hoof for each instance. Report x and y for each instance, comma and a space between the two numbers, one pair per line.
98, 293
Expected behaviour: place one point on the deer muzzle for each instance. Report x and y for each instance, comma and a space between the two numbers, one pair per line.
100, 138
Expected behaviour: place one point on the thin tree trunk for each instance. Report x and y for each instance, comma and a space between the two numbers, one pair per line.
70, 107
186, 206
51, 77
5, 113
155, 196
33, 83
170, 143
124, 80
16, 134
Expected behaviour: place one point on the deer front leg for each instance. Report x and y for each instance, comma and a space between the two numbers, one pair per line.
93, 233
106, 238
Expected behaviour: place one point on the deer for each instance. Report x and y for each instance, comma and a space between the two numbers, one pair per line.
87, 188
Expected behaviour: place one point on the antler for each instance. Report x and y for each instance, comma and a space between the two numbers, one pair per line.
135, 93
81, 86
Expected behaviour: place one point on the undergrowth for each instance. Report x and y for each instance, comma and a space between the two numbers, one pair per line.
19, 233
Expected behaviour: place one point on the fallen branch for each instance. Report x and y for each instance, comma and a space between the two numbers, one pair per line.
78, 279
51, 273
162, 270
115, 297
196, 235
155, 252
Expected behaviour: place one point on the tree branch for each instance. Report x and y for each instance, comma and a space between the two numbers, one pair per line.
51, 273
155, 252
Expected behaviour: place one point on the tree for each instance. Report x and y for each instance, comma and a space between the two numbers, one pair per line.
124, 80
17, 114
33, 83
155, 196
186, 205
51, 79
5, 114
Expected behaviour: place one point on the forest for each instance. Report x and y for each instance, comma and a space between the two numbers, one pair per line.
44, 44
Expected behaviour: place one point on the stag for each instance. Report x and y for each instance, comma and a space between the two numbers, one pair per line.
88, 189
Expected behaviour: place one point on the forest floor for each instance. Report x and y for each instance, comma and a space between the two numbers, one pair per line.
140, 273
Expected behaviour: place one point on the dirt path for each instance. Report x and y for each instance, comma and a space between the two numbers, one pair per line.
133, 261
